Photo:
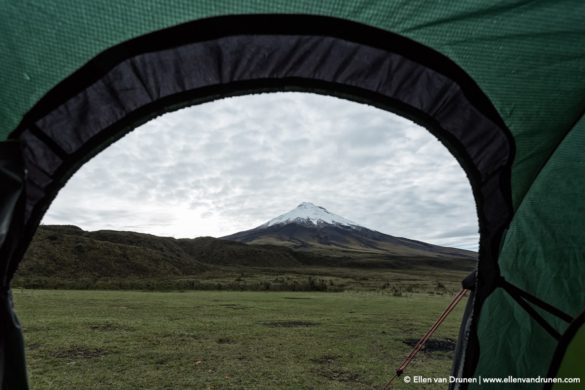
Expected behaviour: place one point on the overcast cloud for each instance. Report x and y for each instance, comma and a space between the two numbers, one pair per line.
233, 164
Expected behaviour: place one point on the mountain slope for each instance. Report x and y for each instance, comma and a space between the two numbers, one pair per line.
313, 228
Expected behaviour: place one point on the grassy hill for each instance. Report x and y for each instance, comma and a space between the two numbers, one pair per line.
69, 252
69, 257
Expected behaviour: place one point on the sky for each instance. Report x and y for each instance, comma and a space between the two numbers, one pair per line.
233, 164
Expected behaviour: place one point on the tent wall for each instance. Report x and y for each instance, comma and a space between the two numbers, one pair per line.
12, 179
543, 255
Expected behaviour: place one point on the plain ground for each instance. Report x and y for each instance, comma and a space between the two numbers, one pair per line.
229, 339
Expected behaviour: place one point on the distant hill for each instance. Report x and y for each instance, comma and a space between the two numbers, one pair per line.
70, 252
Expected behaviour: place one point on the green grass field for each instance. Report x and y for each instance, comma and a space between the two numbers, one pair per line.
227, 340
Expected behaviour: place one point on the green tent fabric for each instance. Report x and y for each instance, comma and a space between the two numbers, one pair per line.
502, 84
568, 359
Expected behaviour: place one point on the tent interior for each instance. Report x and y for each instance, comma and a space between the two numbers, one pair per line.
502, 85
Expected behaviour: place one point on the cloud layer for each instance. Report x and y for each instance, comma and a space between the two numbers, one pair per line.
231, 165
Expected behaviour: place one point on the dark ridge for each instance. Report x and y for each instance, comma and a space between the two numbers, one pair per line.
68, 253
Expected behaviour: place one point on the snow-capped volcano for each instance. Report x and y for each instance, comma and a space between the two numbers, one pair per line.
312, 228
309, 214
